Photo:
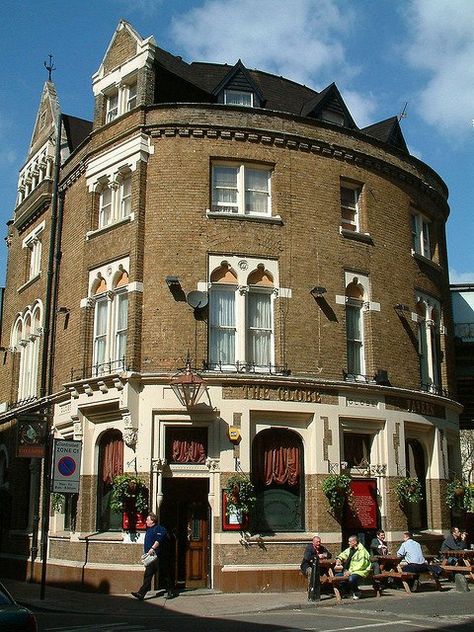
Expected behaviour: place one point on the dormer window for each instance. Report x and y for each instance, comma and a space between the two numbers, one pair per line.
131, 96
336, 118
238, 97
112, 106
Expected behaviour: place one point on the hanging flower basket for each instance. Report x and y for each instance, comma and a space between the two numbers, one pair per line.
130, 496
337, 489
459, 496
240, 494
408, 490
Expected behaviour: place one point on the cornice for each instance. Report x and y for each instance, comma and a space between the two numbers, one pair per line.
297, 142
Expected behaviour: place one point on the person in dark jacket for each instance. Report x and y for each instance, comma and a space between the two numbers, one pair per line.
156, 537
378, 547
452, 543
313, 549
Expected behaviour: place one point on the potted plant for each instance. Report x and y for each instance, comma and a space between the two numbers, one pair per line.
240, 497
130, 496
408, 490
458, 495
337, 489
57, 502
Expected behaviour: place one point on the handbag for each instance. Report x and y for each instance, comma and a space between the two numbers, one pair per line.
148, 558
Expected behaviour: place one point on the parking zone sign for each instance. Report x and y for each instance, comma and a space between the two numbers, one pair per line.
66, 466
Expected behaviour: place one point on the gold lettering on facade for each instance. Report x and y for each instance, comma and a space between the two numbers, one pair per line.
282, 394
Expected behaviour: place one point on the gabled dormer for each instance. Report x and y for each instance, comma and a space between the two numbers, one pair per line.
388, 131
328, 105
238, 88
125, 76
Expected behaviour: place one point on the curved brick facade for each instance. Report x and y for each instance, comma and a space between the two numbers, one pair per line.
373, 397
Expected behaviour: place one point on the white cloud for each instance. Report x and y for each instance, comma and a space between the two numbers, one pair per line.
442, 45
147, 8
302, 40
460, 277
362, 106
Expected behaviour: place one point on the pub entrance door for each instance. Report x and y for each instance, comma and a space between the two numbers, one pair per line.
185, 513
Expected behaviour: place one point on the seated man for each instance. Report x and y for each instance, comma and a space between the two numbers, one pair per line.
312, 550
356, 564
414, 560
378, 547
452, 543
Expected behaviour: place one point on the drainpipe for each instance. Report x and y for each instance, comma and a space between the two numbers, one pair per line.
46, 359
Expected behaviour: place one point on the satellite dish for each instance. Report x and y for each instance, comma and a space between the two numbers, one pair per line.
197, 299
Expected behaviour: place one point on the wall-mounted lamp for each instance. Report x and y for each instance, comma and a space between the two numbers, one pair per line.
317, 292
63, 310
175, 288
172, 281
188, 386
400, 307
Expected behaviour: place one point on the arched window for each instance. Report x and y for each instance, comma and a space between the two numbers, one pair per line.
416, 467
222, 319
278, 476
241, 317
110, 321
26, 340
355, 328
429, 343
110, 465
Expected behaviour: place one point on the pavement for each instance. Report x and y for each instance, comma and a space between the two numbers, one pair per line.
209, 603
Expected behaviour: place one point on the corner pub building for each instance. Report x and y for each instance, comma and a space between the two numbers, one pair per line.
245, 220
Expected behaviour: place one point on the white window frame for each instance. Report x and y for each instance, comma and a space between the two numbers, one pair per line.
115, 199
357, 307
121, 98
354, 223
110, 360
429, 332
112, 106
241, 327
33, 242
131, 91
239, 207
25, 339
421, 235
230, 97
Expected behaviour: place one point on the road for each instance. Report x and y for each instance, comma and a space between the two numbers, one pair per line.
333, 619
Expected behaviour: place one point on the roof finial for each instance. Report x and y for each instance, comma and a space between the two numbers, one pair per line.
50, 67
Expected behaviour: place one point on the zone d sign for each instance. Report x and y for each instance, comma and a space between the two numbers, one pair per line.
66, 466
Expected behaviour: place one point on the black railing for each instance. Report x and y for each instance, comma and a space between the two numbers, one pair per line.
246, 367
436, 390
96, 370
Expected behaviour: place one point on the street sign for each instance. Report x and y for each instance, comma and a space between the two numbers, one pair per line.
32, 431
66, 466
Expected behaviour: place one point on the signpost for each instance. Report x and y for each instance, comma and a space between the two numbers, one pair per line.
66, 466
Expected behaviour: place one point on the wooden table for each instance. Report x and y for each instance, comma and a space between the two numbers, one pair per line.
465, 562
390, 566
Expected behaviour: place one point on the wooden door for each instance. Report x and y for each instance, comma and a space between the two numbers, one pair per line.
197, 545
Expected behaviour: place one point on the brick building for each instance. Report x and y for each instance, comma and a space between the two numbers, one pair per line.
300, 261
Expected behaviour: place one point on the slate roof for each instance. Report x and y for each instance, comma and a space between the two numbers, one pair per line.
276, 93
388, 131
77, 130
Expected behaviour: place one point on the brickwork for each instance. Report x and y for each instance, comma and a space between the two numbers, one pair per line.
173, 234
124, 47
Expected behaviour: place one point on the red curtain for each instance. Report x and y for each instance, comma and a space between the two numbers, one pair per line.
186, 448
278, 455
112, 456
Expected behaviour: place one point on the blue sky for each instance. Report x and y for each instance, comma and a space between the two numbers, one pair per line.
380, 53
